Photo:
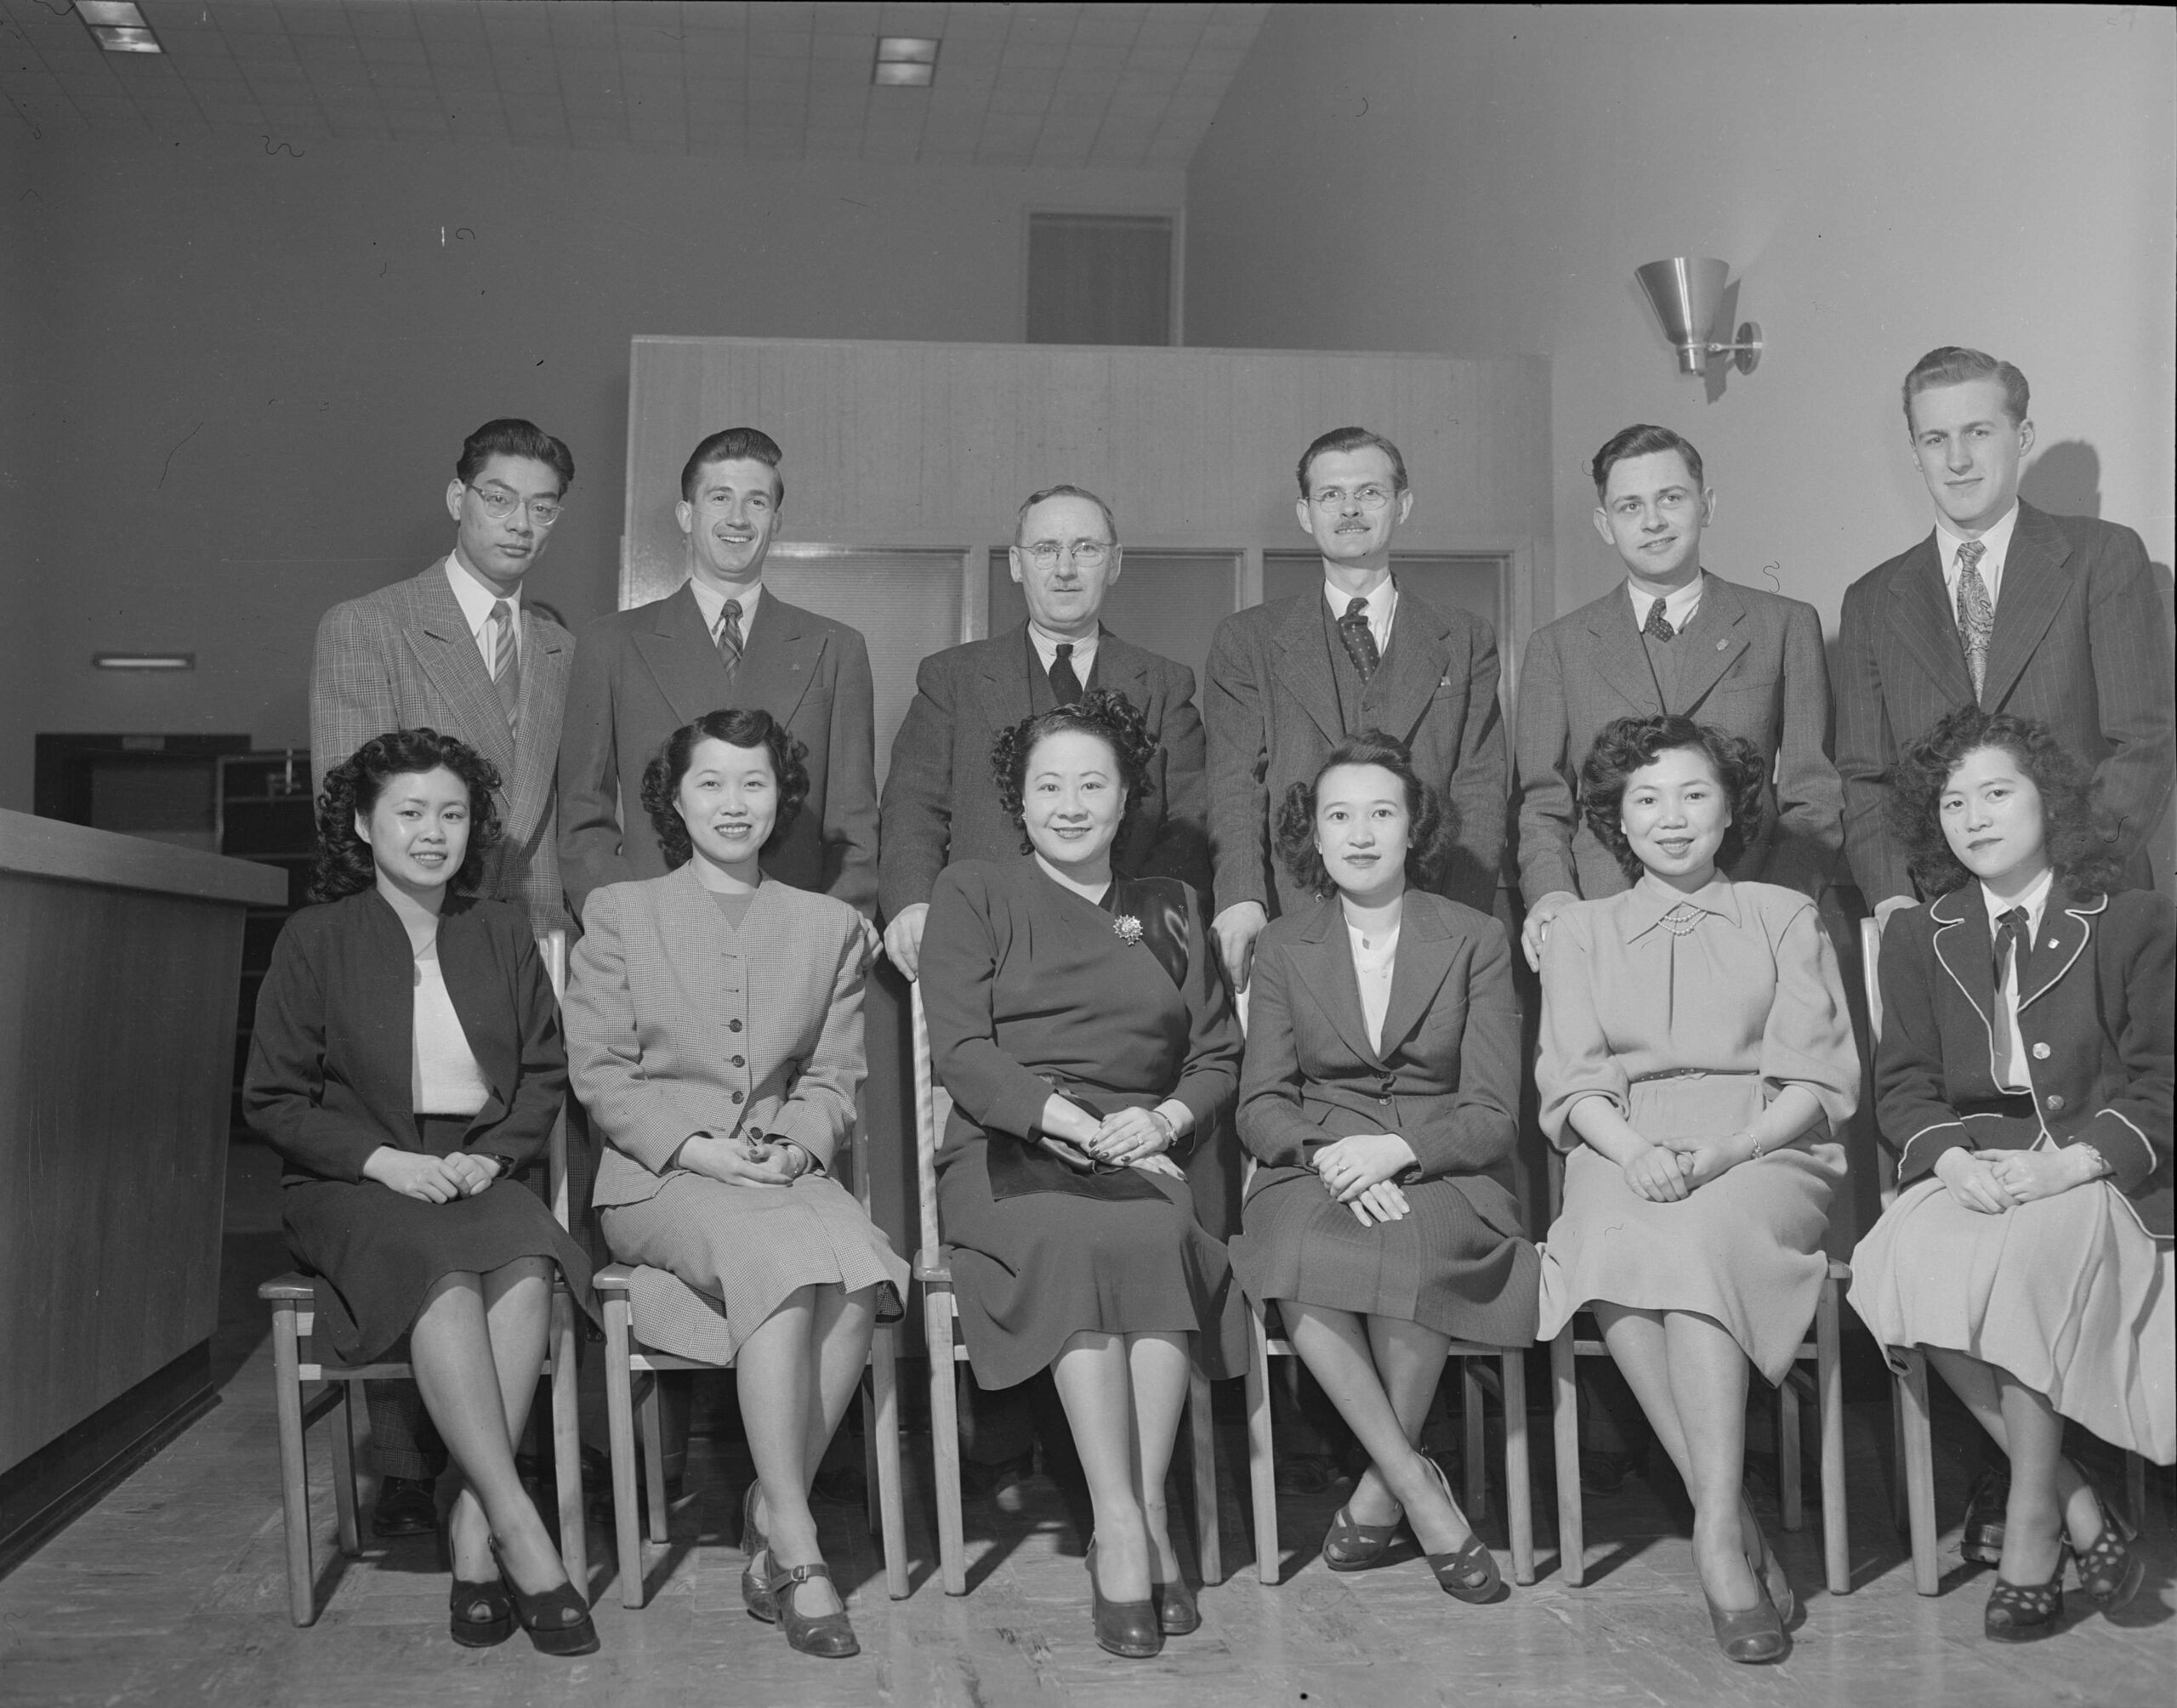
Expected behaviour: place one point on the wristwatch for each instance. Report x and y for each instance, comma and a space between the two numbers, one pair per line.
2101, 1168
1164, 1125
506, 1163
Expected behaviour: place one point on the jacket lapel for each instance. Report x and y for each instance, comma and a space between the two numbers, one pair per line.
480, 1004
1122, 669
2066, 928
1414, 667
1923, 621
785, 645
1716, 640
676, 650
1302, 667
546, 657
1620, 657
1963, 945
439, 638
1418, 972
1005, 678
1322, 963
2034, 586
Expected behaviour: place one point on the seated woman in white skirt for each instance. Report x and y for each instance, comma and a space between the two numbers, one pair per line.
2025, 1080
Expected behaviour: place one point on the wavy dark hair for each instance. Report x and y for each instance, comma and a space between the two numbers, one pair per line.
1430, 844
737, 727
341, 866
2076, 833
1110, 716
1627, 744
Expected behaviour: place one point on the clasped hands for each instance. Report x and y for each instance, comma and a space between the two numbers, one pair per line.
1668, 1171
1993, 1182
743, 1160
1358, 1171
435, 1179
1126, 1138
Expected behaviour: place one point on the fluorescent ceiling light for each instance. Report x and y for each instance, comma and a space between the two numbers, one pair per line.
144, 661
126, 41
905, 61
117, 27
121, 13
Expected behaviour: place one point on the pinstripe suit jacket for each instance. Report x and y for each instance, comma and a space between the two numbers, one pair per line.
677, 1024
1753, 667
403, 657
2081, 642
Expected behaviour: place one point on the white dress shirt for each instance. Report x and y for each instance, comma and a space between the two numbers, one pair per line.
477, 597
1678, 606
1997, 542
712, 603
1373, 965
2007, 1042
1084, 650
1382, 604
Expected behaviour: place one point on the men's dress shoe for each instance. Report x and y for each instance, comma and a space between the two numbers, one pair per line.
755, 1586
827, 1636
1177, 1613
1128, 1629
1981, 1541
406, 1506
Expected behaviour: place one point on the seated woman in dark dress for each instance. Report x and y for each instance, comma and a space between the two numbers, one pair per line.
407, 1063
1380, 1097
1074, 1010
2025, 1080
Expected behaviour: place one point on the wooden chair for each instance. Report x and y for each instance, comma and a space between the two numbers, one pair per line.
1913, 1495
295, 1362
933, 1267
625, 1354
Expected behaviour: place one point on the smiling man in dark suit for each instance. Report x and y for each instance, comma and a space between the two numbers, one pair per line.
2053, 617
1674, 637
723, 640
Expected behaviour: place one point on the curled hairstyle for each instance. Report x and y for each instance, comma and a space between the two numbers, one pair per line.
2074, 830
343, 864
1643, 440
737, 727
1064, 489
1350, 439
511, 436
1627, 745
1430, 828
735, 445
1110, 717
1954, 365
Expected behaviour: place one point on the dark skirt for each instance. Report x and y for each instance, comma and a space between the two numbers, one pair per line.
1441, 1266
377, 1254
1031, 1272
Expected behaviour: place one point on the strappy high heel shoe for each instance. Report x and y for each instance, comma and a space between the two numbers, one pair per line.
1354, 1547
1128, 1629
827, 1636
1468, 1572
558, 1620
755, 1587
2025, 1613
2110, 1569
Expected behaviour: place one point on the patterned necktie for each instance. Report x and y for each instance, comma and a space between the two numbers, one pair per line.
1657, 624
506, 660
1066, 686
1360, 641
728, 637
2011, 945
1976, 613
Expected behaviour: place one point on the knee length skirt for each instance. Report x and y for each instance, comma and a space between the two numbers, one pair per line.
2069, 1294
1030, 1272
1440, 1266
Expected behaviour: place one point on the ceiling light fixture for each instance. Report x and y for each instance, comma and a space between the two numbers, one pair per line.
1688, 294
144, 661
117, 27
905, 61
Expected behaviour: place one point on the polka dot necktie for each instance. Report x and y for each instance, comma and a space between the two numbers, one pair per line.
1359, 639
1657, 624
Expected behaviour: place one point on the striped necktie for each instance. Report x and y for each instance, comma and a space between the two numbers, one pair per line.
506, 660
1976, 613
729, 638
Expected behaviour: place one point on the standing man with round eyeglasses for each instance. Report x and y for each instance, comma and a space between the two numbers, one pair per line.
455, 648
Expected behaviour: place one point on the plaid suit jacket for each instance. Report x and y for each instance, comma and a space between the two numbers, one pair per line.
2082, 642
403, 657
1753, 667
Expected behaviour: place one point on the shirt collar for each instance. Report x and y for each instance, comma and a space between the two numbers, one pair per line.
1046, 646
1380, 606
476, 594
2035, 901
1650, 899
1996, 539
1678, 607
712, 603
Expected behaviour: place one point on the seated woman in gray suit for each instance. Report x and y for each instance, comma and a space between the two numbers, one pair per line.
1380, 1096
714, 1035
1082, 1027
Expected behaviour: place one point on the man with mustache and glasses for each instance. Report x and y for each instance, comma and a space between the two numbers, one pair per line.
458, 649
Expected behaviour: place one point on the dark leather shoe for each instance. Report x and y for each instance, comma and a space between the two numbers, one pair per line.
557, 1621
1981, 1541
2110, 1569
1128, 1629
1352, 1547
1177, 1613
755, 1576
406, 1506
1752, 1636
2025, 1613
827, 1636
479, 1615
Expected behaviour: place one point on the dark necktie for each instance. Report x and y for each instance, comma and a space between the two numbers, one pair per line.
1066, 686
1657, 624
728, 637
506, 660
1360, 641
1976, 613
2011, 946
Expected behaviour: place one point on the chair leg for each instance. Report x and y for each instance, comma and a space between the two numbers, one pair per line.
1564, 1424
343, 1471
1262, 1452
294, 1465
1901, 1488
1474, 1443
619, 1410
1829, 1374
1519, 1494
872, 1508
944, 1440
1917, 1470
1788, 1491
650, 1414
566, 1442
881, 1425
1202, 1428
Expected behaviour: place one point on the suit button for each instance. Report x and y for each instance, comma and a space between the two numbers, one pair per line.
733, 1026
2056, 1100
2040, 1052
742, 1061
736, 1097
1385, 1102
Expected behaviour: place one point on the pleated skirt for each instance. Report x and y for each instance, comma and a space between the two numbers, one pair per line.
2069, 1294
1031, 1272
1440, 1266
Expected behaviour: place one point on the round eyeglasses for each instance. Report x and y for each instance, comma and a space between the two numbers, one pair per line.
1089, 554
499, 504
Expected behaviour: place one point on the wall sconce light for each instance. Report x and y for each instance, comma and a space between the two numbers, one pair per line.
1687, 293
144, 661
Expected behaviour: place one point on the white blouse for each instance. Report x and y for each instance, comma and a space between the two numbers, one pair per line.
1373, 965
445, 1078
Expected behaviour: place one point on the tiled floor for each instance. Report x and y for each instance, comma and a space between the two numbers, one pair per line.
171, 1592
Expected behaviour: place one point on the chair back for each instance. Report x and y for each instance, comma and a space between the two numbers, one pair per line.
553, 947
1870, 955
933, 1108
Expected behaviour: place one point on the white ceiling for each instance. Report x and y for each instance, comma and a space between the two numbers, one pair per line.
1026, 85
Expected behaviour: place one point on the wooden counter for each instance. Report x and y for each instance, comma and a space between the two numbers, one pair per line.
120, 964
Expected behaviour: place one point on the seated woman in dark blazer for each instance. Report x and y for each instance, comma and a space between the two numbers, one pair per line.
2025, 1079
1380, 1096
1078, 1018
406, 1064
715, 1031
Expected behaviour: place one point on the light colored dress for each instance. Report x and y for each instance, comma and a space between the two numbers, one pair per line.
1692, 1013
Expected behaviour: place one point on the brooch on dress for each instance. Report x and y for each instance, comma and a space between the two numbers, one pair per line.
1128, 929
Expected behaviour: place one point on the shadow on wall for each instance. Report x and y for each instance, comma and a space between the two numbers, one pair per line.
2065, 480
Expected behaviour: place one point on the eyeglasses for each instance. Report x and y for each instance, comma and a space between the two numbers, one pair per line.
499, 504
1369, 497
1089, 554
